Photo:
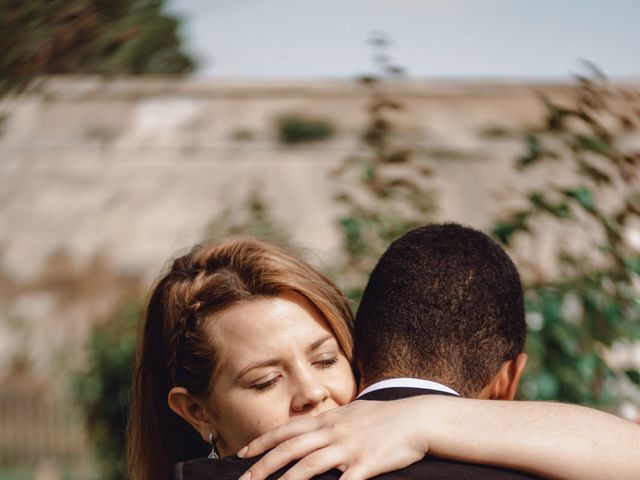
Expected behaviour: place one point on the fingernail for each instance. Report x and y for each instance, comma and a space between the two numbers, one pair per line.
241, 454
245, 476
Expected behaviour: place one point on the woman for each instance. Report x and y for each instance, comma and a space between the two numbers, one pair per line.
241, 337
179, 359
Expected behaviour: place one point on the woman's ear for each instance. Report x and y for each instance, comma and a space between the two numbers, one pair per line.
192, 410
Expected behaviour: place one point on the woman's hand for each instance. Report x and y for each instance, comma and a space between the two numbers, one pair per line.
362, 439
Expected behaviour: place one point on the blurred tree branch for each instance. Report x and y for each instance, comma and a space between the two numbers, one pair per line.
115, 37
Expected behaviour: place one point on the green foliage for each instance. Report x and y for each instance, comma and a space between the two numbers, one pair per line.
384, 193
103, 389
294, 129
594, 304
19, 474
579, 318
87, 36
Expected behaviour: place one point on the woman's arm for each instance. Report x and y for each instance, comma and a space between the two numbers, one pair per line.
554, 440
367, 438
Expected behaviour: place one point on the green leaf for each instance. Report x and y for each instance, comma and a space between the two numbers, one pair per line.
535, 151
537, 200
593, 144
547, 386
559, 210
586, 365
352, 229
583, 196
633, 375
633, 264
295, 129
556, 114
368, 172
503, 231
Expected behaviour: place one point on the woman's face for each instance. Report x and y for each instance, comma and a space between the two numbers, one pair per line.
278, 360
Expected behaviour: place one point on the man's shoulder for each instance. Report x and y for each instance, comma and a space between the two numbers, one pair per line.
435, 467
228, 469
432, 468
428, 468
201, 468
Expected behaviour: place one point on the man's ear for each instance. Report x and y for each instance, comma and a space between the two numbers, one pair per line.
192, 410
505, 384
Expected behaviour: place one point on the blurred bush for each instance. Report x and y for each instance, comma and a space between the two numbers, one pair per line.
105, 37
593, 308
294, 129
103, 389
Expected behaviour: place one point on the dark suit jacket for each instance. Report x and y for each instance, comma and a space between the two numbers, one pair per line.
430, 467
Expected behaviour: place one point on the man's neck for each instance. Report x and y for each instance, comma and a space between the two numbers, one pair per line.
406, 382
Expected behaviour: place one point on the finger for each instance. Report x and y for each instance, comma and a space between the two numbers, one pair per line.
356, 472
278, 435
315, 463
285, 453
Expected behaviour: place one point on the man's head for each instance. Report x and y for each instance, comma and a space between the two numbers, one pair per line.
444, 303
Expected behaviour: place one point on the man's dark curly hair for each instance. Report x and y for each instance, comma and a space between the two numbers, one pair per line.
444, 303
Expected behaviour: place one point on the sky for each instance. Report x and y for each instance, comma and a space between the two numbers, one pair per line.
431, 38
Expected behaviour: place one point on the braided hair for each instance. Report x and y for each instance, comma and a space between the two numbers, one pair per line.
176, 349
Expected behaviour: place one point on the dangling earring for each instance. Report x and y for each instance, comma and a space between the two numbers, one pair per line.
212, 442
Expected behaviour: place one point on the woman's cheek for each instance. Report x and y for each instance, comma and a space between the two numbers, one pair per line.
267, 412
347, 388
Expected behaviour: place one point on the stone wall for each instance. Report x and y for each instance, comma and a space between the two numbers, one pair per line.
101, 182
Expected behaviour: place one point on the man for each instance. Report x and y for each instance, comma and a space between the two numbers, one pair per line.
443, 314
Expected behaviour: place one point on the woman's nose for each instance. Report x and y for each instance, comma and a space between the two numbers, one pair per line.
308, 393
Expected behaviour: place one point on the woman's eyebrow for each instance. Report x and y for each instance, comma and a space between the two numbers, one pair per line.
265, 363
319, 342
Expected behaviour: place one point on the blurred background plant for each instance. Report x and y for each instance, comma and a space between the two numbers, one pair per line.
295, 128
383, 188
103, 389
579, 320
104, 37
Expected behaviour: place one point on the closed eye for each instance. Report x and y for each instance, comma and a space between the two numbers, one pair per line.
265, 385
326, 363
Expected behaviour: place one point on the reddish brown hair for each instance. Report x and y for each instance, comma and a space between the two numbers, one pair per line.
174, 347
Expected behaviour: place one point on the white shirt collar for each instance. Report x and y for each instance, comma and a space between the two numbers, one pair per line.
407, 382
